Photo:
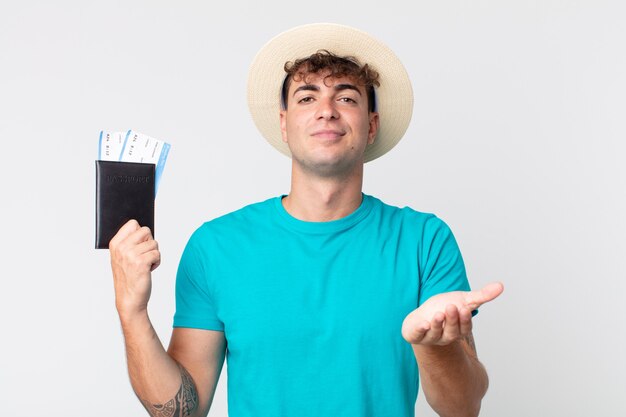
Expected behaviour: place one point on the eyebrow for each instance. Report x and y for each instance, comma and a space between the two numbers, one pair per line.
306, 87
338, 87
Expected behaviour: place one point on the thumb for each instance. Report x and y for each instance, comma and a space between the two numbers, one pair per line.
475, 299
124, 231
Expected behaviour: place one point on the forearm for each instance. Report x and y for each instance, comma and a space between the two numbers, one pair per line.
158, 380
453, 380
164, 387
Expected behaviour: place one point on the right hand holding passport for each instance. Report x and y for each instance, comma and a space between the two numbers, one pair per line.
134, 255
128, 170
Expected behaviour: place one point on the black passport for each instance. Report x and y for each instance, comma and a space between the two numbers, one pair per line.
124, 191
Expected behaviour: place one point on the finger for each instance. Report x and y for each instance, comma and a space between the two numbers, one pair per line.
146, 261
436, 329
475, 299
153, 255
465, 321
146, 246
154, 258
128, 228
452, 315
451, 326
415, 333
156, 264
140, 235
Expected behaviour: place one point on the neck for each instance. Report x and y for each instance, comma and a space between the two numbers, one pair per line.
322, 199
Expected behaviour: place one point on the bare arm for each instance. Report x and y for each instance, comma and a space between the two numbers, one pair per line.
453, 380
440, 332
202, 352
163, 386
181, 382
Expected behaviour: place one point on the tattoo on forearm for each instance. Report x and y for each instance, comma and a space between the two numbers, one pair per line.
182, 405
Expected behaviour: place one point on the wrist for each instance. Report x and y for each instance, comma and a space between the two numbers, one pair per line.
130, 316
435, 353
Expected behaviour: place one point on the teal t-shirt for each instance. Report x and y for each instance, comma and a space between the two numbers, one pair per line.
312, 311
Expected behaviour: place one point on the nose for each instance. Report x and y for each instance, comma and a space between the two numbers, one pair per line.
326, 109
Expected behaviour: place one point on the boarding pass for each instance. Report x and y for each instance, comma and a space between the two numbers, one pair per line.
133, 146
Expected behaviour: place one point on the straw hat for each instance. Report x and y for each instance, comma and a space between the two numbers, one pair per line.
394, 97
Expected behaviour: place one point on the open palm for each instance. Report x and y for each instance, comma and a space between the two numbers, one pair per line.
446, 317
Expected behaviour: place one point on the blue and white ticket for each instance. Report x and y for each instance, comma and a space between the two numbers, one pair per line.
111, 144
134, 147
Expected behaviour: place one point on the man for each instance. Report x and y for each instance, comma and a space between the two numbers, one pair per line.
325, 300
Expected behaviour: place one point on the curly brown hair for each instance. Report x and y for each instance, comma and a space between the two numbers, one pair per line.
337, 67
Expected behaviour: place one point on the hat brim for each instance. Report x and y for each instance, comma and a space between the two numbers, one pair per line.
394, 96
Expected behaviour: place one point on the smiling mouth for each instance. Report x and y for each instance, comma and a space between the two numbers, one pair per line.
328, 134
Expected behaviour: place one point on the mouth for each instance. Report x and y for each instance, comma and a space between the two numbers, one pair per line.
328, 134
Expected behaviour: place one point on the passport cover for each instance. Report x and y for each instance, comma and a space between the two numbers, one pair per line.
124, 191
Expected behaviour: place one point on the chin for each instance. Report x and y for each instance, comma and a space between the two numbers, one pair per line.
330, 167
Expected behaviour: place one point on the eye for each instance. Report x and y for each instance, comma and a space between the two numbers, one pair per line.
347, 100
306, 99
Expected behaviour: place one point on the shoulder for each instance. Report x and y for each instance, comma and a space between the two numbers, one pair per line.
424, 222
235, 222
248, 213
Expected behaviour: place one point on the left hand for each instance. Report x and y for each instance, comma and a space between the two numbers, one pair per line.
447, 317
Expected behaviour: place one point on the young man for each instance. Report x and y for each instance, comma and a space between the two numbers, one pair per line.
325, 300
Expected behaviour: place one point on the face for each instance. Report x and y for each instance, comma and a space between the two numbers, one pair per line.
327, 124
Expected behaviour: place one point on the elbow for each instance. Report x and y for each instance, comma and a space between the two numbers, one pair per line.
474, 405
466, 403
473, 410
476, 397
467, 409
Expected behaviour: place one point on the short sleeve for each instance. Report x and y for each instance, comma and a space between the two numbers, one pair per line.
441, 264
194, 302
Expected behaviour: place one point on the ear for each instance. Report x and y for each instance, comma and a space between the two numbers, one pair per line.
283, 124
374, 125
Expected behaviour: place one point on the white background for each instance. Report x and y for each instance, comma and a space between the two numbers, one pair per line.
517, 142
